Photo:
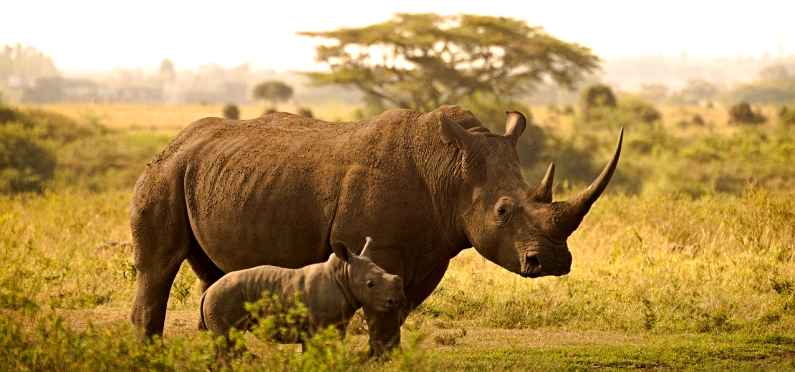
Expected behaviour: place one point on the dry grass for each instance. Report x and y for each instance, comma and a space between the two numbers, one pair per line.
175, 117
659, 281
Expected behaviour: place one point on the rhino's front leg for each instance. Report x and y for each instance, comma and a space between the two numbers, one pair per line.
384, 330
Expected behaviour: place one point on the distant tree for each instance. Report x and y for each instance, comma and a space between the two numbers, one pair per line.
654, 92
421, 61
45, 90
644, 111
231, 111
305, 112
25, 64
595, 97
697, 91
167, 70
775, 73
273, 92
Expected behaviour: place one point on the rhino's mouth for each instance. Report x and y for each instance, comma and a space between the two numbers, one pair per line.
531, 266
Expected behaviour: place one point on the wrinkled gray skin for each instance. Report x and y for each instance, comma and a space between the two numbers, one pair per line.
332, 292
282, 190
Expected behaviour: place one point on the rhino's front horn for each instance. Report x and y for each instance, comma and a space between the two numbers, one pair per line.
576, 208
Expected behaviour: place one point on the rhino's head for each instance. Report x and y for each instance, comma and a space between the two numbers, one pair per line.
510, 223
373, 287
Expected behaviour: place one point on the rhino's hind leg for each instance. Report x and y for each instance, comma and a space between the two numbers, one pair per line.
161, 239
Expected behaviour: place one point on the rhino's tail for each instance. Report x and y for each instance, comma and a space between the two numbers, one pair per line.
202, 324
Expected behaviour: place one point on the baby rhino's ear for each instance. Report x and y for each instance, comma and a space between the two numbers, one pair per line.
341, 251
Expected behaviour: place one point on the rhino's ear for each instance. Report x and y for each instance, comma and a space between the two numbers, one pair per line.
514, 125
452, 132
341, 251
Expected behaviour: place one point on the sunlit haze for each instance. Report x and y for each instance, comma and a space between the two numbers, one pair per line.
86, 36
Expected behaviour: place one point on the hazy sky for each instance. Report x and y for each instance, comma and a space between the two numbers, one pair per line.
84, 35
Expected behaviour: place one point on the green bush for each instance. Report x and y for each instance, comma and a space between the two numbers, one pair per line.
107, 162
305, 112
786, 115
743, 113
26, 161
231, 111
597, 96
642, 110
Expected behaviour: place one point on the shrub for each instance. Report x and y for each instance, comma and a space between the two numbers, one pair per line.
231, 111
695, 120
643, 111
786, 115
743, 113
26, 161
306, 112
597, 96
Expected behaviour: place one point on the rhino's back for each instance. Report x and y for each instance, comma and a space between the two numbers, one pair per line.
223, 303
265, 191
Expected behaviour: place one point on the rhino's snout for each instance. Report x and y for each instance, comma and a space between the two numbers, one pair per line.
531, 267
534, 265
394, 302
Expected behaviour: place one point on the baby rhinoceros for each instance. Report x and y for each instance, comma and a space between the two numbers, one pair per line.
332, 291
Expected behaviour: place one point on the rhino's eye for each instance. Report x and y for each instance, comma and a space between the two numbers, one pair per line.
503, 210
370, 284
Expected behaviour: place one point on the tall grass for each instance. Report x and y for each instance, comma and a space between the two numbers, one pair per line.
695, 241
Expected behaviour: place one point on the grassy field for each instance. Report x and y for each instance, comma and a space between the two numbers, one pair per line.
661, 279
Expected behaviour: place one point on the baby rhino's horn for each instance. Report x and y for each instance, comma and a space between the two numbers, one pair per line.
367, 241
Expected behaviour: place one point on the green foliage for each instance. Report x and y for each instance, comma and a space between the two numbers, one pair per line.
106, 162
231, 111
742, 113
595, 97
776, 84
26, 161
719, 268
644, 111
422, 61
279, 319
786, 115
41, 149
305, 112
273, 91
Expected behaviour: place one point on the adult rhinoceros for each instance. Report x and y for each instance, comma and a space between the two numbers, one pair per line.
279, 190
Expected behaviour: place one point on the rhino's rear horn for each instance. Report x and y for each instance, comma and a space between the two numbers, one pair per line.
576, 208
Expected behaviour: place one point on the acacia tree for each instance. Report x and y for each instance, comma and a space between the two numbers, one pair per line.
422, 61
273, 91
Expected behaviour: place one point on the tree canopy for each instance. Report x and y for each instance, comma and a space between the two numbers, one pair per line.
274, 91
422, 61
